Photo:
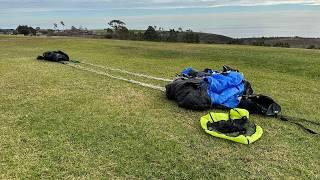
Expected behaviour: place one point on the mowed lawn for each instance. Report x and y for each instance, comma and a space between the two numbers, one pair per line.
60, 122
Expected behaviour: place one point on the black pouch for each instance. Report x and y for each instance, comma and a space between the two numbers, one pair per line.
189, 93
54, 56
260, 104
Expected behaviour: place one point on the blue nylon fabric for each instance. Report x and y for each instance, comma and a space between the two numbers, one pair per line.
186, 71
224, 89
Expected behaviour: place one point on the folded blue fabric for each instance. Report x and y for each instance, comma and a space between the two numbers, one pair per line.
225, 89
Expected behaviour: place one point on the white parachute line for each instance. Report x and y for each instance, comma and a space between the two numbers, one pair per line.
127, 72
116, 77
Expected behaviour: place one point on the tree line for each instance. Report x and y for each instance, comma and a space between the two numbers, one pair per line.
117, 30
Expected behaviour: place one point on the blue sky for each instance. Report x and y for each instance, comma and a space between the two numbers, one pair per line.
236, 18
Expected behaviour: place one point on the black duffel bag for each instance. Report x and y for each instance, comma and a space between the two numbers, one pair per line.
189, 93
260, 104
54, 56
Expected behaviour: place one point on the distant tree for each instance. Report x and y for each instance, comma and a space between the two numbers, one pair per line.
180, 29
261, 43
32, 31
108, 36
62, 23
281, 44
55, 26
73, 28
116, 24
109, 33
26, 30
50, 32
119, 29
23, 30
286, 45
151, 34
109, 30
236, 41
38, 29
191, 37
173, 36
132, 35
140, 36
123, 32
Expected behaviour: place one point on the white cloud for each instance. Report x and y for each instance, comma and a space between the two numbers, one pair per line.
157, 4
246, 22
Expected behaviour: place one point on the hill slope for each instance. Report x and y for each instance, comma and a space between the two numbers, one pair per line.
295, 42
59, 122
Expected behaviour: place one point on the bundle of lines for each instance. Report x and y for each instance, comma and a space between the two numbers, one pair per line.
93, 68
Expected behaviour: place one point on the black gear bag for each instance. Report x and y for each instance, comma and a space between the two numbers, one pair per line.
260, 104
54, 56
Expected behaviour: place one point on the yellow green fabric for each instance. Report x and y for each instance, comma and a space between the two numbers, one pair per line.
233, 114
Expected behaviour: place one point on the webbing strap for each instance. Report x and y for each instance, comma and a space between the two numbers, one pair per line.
294, 120
287, 118
76, 66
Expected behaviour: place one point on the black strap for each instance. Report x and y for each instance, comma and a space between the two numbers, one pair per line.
294, 121
211, 116
287, 118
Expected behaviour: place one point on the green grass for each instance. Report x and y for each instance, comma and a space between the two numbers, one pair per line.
59, 122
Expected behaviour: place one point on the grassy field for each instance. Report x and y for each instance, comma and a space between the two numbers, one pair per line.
60, 122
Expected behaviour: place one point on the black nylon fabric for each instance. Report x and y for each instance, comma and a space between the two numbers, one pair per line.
226, 68
233, 128
260, 104
189, 93
198, 74
247, 89
54, 56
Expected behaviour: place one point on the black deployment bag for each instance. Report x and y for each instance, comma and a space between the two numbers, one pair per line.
260, 104
54, 56
266, 106
189, 93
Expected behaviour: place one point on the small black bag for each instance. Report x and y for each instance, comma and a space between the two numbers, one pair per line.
54, 56
189, 93
266, 106
260, 104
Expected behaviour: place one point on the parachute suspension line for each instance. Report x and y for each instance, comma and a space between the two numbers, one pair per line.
127, 72
116, 77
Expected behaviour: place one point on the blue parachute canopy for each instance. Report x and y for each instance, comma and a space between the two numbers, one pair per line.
225, 88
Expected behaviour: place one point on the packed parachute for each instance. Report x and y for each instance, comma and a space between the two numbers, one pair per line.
225, 89
202, 90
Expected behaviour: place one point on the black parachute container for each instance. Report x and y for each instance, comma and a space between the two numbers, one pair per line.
54, 56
